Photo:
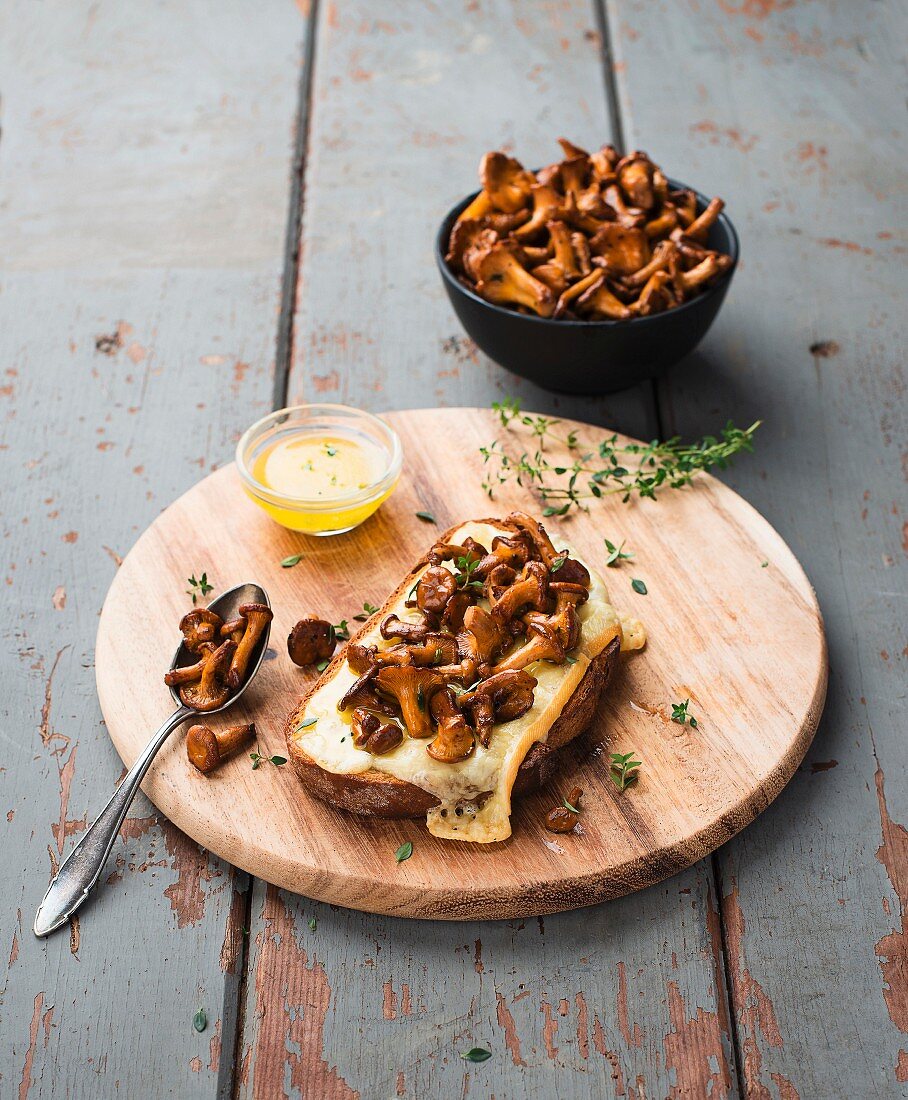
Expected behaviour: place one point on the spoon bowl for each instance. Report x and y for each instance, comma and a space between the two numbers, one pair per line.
227, 606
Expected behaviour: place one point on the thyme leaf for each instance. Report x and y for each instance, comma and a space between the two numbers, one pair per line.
476, 1054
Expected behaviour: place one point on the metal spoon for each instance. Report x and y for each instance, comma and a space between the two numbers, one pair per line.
82, 868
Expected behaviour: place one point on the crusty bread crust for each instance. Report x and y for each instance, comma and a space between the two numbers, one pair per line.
377, 794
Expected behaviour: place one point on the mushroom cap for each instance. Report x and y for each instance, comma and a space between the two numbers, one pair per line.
199, 626
393, 626
505, 181
413, 689
503, 280
374, 735
211, 690
435, 587
202, 748
454, 740
362, 693
310, 641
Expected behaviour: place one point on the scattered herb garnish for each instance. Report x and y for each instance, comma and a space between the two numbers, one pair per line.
199, 587
427, 517
573, 809
200, 1020
258, 760
764, 564
313, 924
404, 851
638, 586
681, 715
294, 559
557, 563
464, 576
341, 632
604, 468
305, 724
617, 554
623, 769
570, 660
368, 609
476, 1054
330, 451
321, 666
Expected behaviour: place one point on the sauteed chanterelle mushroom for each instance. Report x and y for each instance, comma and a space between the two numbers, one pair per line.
595, 237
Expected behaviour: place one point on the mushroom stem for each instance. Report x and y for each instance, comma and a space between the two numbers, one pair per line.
207, 748
257, 616
454, 740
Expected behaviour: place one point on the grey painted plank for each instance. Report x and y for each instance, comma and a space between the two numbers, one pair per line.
144, 166
404, 105
623, 1000
786, 108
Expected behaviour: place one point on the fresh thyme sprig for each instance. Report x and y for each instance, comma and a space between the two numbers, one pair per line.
258, 760
623, 769
368, 609
464, 575
681, 714
631, 469
342, 631
616, 554
199, 587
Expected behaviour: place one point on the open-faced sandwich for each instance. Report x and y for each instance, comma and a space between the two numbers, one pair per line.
459, 692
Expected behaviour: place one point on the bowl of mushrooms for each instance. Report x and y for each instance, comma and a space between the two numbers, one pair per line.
588, 275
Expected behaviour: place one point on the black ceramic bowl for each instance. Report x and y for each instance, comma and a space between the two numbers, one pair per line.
588, 357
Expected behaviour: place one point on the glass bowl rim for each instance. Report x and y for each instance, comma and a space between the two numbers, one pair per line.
356, 496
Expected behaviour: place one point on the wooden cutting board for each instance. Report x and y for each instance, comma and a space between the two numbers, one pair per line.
741, 639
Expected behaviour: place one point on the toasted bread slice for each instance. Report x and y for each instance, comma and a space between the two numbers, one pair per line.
469, 800
379, 794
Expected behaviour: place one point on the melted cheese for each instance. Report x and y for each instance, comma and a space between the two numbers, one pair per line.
474, 794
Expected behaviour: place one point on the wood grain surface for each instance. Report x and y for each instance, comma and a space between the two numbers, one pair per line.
742, 640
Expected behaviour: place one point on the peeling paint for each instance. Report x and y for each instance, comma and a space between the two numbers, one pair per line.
632, 1038
691, 1047
507, 1024
292, 997
753, 1008
892, 950
26, 1082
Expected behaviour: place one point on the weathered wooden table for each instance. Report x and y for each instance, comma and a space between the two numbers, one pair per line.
211, 209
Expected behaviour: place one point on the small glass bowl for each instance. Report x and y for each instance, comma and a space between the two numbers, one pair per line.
323, 516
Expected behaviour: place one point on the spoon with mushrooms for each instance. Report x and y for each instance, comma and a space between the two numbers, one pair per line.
211, 685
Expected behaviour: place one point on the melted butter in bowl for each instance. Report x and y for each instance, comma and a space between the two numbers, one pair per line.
321, 469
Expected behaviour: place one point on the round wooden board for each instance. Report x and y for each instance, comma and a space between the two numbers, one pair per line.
742, 640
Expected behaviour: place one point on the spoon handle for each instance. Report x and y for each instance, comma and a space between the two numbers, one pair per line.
82, 868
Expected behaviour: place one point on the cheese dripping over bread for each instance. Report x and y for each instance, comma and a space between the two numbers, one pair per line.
474, 794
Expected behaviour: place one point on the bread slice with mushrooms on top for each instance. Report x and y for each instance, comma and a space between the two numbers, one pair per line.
460, 691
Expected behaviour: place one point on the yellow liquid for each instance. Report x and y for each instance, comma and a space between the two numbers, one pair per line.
320, 468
